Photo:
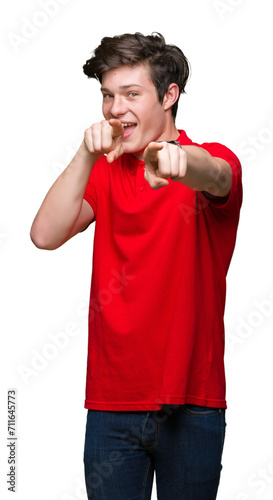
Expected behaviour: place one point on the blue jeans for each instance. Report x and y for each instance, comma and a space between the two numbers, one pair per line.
182, 444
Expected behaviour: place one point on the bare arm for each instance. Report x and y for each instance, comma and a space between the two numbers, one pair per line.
206, 173
61, 208
64, 212
191, 165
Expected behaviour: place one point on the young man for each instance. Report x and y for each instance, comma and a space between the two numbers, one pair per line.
166, 212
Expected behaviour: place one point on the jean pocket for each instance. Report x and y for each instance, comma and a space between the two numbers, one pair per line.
202, 410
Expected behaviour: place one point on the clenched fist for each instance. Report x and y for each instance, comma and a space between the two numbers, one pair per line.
105, 138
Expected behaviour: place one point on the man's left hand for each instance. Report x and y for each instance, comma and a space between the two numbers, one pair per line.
163, 161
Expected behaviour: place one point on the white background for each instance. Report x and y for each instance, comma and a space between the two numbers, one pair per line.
46, 104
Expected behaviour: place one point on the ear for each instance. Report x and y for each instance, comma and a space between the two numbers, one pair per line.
171, 96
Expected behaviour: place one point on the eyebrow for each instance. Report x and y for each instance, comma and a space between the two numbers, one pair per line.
121, 87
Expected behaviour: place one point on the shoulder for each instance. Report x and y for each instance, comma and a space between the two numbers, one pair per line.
230, 204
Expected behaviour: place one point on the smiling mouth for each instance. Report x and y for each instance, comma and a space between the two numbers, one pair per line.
128, 129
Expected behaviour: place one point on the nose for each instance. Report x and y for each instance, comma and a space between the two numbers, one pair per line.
119, 107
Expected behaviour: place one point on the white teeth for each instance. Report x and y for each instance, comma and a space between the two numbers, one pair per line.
126, 124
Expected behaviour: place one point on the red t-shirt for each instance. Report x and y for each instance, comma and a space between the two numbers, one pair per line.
160, 259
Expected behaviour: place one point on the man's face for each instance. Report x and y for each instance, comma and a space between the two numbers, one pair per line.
130, 96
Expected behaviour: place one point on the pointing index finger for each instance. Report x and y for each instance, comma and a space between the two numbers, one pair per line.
151, 162
116, 126
150, 153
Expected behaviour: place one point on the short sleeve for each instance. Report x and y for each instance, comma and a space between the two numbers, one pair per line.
231, 204
90, 194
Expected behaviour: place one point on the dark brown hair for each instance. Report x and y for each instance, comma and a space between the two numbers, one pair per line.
167, 63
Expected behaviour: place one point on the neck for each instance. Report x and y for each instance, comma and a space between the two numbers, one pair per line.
170, 134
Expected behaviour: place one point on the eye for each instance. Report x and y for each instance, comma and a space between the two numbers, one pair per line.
107, 96
132, 94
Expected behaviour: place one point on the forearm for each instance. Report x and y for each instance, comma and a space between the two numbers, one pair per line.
62, 204
206, 173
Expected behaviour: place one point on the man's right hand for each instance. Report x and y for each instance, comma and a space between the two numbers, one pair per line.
105, 138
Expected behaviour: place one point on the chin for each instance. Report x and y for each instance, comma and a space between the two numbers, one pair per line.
133, 147
129, 148
134, 151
